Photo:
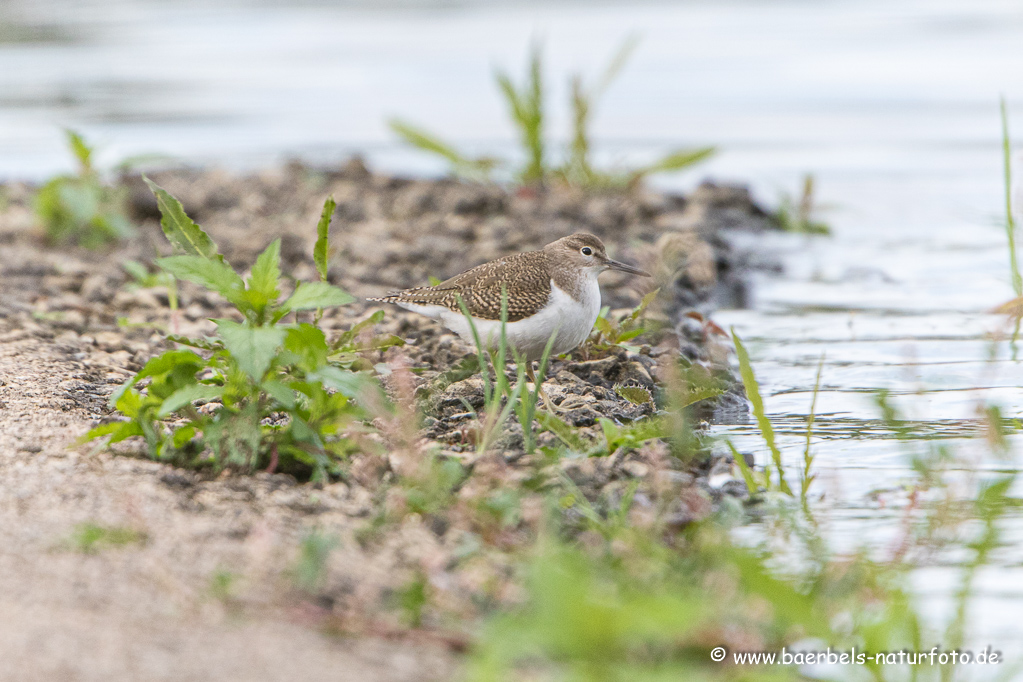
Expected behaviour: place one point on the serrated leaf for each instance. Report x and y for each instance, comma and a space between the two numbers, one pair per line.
312, 295
604, 326
253, 348
186, 396
181, 230
696, 395
266, 272
211, 274
320, 250
637, 395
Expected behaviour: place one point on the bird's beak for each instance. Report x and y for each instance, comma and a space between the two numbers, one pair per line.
624, 267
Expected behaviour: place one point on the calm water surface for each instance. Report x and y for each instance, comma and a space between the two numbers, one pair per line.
893, 106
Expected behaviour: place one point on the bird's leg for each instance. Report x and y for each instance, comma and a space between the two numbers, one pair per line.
548, 403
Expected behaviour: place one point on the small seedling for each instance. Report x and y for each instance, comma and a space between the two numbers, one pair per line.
310, 569
800, 215
82, 209
90, 538
412, 599
608, 333
222, 585
281, 396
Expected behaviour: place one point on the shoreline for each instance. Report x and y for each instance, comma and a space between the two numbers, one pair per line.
72, 332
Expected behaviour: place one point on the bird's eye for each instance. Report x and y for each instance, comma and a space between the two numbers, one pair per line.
587, 251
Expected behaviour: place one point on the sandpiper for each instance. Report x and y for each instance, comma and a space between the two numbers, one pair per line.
550, 292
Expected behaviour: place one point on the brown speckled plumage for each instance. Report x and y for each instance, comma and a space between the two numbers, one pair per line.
527, 277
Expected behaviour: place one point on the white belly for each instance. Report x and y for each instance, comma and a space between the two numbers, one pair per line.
569, 319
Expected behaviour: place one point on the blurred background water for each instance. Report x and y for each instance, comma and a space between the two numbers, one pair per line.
893, 106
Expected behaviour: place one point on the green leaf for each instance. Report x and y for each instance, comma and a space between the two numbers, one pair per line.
253, 348
637, 395
308, 343
211, 274
631, 334
604, 326
322, 235
101, 430
749, 380
417, 137
266, 272
204, 344
186, 396
644, 304
566, 433
181, 231
747, 475
348, 384
80, 149
161, 364
311, 295
281, 393
127, 430
695, 395
675, 161
128, 403
138, 271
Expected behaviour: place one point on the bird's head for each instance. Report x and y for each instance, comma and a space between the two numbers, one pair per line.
585, 251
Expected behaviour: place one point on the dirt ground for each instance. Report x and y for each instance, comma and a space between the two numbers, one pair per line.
204, 589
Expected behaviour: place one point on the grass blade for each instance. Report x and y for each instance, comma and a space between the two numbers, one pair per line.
747, 474
322, 235
807, 478
749, 380
675, 161
1010, 222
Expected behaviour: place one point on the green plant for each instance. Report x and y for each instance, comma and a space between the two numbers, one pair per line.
412, 599
526, 106
82, 209
222, 584
1010, 220
749, 380
608, 333
799, 215
278, 395
431, 488
474, 168
310, 568
501, 397
90, 538
807, 476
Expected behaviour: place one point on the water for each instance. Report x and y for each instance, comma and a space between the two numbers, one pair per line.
893, 107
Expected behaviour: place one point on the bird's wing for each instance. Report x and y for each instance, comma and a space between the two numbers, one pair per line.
524, 276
